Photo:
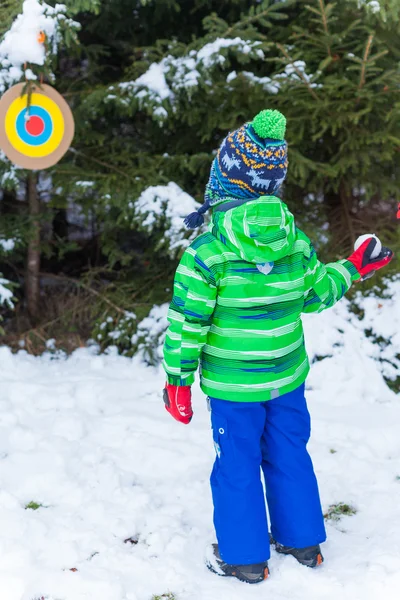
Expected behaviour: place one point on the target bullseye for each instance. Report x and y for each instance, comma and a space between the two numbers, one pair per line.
38, 135
21, 134
16, 120
34, 125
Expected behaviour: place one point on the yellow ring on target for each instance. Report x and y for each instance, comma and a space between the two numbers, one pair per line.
56, 116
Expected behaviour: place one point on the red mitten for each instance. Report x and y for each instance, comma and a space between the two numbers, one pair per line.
178, 402
363, 261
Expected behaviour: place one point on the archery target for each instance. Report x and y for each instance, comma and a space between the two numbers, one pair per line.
35, 137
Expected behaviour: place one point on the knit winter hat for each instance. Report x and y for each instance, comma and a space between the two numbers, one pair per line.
251, 162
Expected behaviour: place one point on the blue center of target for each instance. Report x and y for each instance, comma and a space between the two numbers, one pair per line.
22, 120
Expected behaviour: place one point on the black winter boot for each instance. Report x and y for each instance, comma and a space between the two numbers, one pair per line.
247, 573
310, 557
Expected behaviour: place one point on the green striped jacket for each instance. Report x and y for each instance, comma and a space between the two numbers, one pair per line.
239, 292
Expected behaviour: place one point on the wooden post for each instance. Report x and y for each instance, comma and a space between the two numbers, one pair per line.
32, 285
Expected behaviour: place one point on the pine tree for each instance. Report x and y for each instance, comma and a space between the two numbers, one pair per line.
344, 120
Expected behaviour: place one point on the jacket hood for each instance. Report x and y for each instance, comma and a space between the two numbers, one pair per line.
258, 231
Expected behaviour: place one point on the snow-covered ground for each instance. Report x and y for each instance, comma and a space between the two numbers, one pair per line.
88, 438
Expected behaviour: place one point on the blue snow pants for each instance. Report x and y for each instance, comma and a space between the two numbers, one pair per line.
271, 437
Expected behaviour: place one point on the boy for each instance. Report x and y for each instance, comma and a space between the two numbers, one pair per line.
239, 292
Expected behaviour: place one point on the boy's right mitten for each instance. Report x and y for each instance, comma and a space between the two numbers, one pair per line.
178, 402
367, 261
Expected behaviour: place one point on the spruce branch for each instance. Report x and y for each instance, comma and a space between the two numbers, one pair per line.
324, 17
102, 163
365, 61
249, 20
298, 71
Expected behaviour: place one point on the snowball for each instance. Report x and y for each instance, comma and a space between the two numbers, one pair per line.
360, 240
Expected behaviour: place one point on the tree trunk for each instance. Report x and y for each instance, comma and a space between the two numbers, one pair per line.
346, 211
32, 285
60, 225
341, 220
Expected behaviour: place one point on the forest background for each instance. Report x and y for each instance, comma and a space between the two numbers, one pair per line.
88, 248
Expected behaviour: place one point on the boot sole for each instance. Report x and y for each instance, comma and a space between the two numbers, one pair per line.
312, 563
232, 572
224, 570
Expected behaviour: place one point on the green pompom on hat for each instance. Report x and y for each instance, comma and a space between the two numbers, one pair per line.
270, 124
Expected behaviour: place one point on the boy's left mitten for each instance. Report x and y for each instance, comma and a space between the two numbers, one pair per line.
367, 261
178, 402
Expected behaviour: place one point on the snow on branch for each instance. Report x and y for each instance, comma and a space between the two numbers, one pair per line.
6, 295
292, 74
157, 88
268, 84
34, 36
296, 72
163, 207
7, 245
372, 5
8, 172
150, 335
131, 337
